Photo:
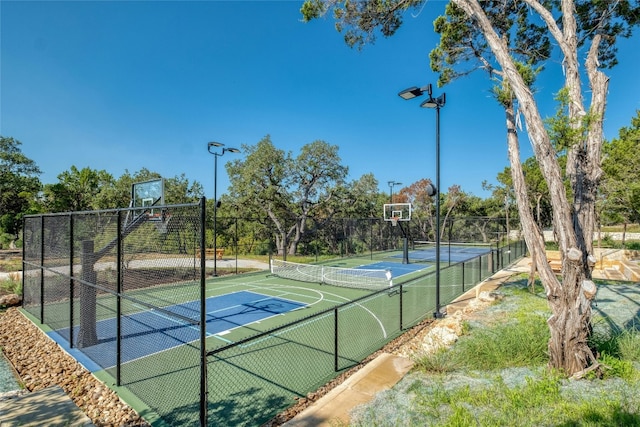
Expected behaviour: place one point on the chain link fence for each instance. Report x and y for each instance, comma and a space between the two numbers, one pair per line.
128, 289
344, 237
119, 286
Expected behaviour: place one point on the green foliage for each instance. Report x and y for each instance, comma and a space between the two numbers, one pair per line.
614, 367
312, 9
607, 241
620, 190
629, 345
497, 392
438, 362
516, 343
11, 264
76, 189
620, 344
89, 189
464, 49
360, 20
291, 191
634, 245
19, 186
564, 131
11, 285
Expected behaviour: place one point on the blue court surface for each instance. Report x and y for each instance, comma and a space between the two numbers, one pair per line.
152, 331
447, 254
397, 269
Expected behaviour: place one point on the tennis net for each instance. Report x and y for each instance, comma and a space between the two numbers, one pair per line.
359, 278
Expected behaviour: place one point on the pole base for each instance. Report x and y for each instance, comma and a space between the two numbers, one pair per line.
439, 315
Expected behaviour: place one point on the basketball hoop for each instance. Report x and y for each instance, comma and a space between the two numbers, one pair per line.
161, 221
161, 226
394, 220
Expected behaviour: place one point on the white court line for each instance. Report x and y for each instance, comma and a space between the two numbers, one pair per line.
317, 318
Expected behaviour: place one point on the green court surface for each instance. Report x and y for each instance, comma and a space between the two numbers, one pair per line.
266, 369
265, 361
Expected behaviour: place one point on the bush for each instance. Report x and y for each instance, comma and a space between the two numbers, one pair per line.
439, 362
12, 285
633, 245
615, 367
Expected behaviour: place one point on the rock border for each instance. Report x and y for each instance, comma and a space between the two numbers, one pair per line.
41, 363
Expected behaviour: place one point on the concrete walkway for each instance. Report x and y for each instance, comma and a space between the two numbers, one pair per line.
47, 407
333, 408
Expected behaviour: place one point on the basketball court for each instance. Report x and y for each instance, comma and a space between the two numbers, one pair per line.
280, 332
151, 331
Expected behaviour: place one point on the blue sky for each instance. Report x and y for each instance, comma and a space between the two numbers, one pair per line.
124, 85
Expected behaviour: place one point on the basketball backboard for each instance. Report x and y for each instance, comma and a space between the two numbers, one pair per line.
147, 193
397, 211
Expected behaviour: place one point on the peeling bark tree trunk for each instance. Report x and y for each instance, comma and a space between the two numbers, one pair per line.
532, 234
569, 299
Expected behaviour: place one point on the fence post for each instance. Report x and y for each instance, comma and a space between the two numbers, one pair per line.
400, 288
204, 390
235, 242
463, 281
335, 339
24, 252
119, 300
41, 269
71, 280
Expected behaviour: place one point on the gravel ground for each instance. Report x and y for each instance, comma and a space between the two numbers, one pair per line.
41, 363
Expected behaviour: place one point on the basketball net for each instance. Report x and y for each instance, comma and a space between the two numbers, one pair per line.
394, 220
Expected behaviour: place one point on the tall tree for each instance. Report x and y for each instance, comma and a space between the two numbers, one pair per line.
585, 27
76, 189
19, 186
362, 198
86, 189
289, 191
463, 48
423, 207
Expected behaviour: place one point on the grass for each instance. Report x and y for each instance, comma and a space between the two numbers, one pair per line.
631, 228
10, 264
496, 375
11, 285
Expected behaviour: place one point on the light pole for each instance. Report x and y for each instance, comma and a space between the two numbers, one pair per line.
391, 185
436, 103
216, 203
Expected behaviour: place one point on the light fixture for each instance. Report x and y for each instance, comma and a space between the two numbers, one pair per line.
391, 185
436, 103
216, 202
415, 91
